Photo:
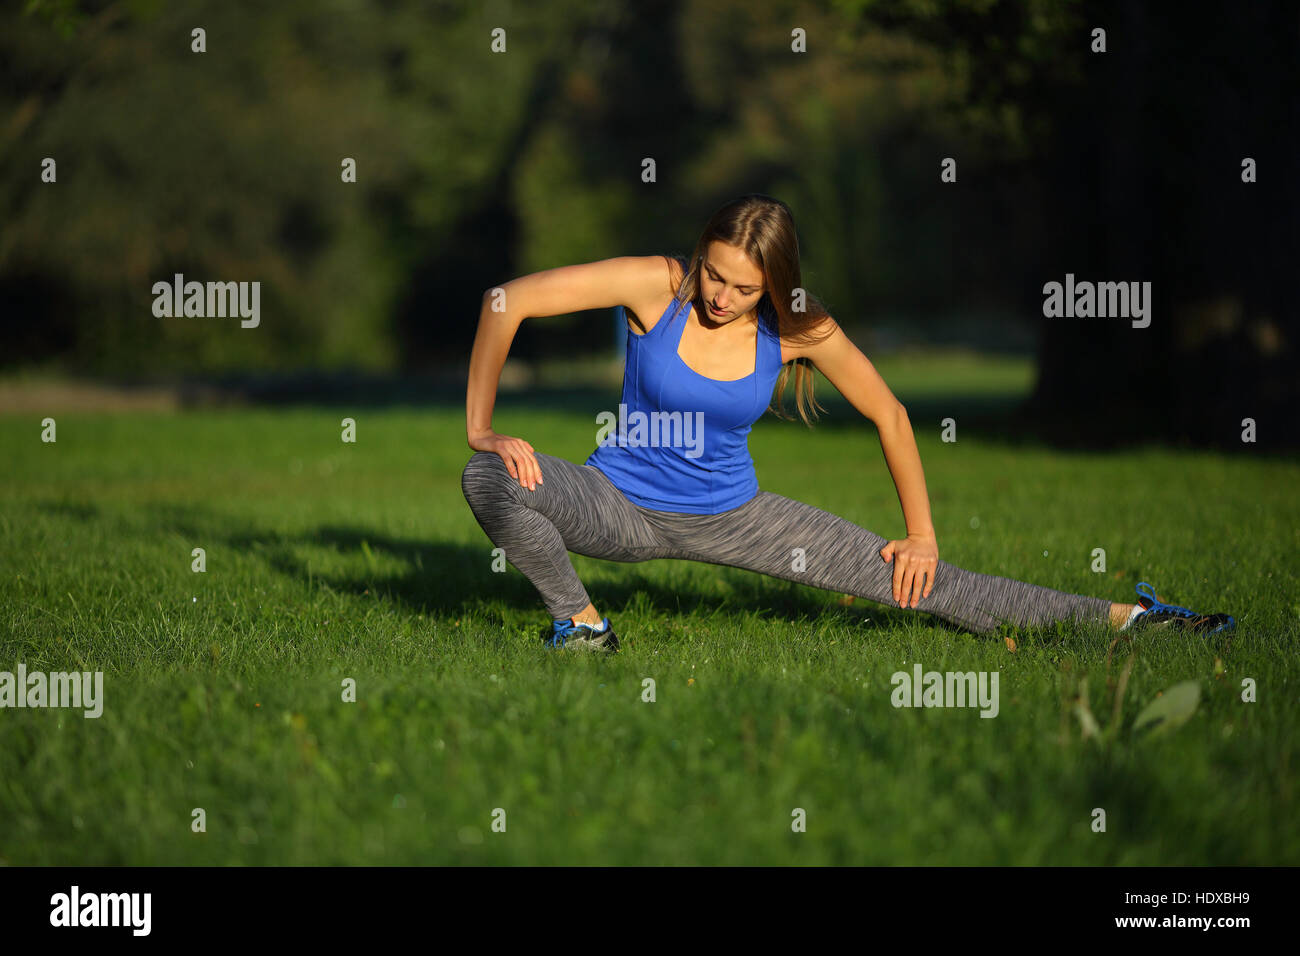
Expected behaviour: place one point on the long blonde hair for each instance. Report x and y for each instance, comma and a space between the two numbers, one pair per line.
763, 228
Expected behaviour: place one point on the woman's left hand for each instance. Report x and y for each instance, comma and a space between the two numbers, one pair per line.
915, 558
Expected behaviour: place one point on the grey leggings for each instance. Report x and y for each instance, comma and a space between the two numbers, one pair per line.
578, 509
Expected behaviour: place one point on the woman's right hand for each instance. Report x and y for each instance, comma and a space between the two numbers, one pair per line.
516, 453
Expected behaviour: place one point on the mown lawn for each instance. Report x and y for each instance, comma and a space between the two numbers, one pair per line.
325, 561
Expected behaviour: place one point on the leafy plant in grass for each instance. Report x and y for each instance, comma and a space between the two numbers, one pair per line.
1170, 709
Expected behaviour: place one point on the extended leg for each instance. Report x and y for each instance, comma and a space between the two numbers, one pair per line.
788, 539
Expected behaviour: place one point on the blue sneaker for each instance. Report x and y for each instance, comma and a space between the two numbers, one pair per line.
1155, 613
582, 636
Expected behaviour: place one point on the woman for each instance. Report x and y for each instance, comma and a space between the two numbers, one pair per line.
708, 340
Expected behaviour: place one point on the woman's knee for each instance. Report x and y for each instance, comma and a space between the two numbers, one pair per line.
485, 474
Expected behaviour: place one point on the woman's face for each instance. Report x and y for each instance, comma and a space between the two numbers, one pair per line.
729, 282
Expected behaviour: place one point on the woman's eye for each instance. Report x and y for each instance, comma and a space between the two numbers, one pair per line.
738, 291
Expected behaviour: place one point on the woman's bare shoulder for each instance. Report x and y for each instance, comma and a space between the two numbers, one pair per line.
809, 344
643, 316
676, 273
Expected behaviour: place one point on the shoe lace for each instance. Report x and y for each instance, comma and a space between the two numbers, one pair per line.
559, 631
567, 628
1158, 605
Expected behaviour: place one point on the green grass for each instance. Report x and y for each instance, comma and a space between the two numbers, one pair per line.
328, 561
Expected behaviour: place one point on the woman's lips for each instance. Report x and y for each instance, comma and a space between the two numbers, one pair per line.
715, 311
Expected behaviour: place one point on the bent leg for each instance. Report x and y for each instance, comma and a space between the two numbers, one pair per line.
788, 539
576, 508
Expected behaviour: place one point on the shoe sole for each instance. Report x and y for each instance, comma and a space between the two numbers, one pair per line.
590, 644
1175, 625
607, 643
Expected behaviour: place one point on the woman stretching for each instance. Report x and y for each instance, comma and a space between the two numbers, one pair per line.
708, 341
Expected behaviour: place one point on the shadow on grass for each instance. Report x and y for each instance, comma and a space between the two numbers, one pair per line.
451, 580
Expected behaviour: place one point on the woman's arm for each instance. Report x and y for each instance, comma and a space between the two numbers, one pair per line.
497, 326
624, 280
904, 461
915, 557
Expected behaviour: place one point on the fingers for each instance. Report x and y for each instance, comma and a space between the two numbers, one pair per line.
522, 464
536, 469
887, 552
908, 574
913, 574
532, 469
913, 577
922, 583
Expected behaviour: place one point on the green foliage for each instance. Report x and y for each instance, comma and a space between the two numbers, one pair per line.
226, 165
1172, 708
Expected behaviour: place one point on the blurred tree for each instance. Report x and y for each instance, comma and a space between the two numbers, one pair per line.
475, 167
225, 165
1134, 170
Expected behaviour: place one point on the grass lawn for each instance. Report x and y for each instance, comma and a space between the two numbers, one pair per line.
325, 561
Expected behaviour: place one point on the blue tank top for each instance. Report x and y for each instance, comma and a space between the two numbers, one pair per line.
680, 440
